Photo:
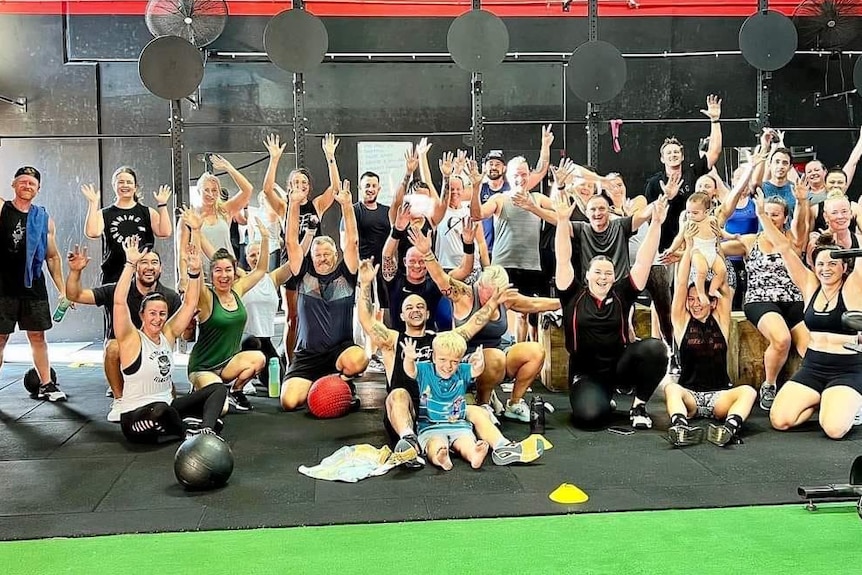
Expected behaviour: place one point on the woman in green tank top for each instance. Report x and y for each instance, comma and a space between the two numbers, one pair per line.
216, 356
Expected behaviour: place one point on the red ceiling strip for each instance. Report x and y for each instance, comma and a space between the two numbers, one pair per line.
442, 8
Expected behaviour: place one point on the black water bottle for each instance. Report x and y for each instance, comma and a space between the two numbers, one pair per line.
537, 415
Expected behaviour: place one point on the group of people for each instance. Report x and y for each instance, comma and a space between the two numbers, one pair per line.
447, 286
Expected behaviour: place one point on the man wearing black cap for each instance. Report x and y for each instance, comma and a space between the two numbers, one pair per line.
26, 243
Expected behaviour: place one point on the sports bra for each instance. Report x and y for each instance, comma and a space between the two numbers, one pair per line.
827, 321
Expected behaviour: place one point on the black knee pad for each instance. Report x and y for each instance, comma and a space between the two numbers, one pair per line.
250, 343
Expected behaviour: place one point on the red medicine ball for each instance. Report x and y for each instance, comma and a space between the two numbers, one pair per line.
329, 397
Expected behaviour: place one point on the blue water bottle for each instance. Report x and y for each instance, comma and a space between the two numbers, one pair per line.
274, 371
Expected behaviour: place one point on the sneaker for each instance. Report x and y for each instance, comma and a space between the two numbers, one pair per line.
613, 405
681, 435
249, 388
496, 403
51, 392
767, 395
197, 422
673, 367
237, 400
404, 447
719, 435
640, 418
192, 432
491, 414
375, 366
523, 452
114, 413
519, 411
109, 393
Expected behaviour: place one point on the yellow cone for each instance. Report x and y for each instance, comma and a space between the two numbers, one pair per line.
568, 494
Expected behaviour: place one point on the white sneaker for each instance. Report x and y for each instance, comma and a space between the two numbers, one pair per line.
491, 414
114, 413
249, 388
519, 411
496, 403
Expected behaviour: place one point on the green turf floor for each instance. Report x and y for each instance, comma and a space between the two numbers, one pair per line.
753, 540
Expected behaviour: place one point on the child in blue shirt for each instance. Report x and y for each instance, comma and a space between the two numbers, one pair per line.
443, 383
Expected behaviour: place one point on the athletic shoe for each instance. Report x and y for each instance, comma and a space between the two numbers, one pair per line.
767, 395
238, 401
613, 405
109, 393
192, 432
673, 367
519, 411
375, 366
249, 388
114, 413
496, 403
523, 452
51, 392
640, 418
858, 419
719, 435
404, 446
491, 414
196, 423
681, 435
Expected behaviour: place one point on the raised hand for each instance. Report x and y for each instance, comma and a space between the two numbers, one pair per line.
447, 163
422, 147
671, 187
758, 200
408, 347
411, 160
193, 259
800, 190
261, 228
78, 258
403, 217
163, 195
522, 199
219, 163
563, 207
130, 246
460, 162
329, 144
367, 271
713, 108
420, 241
274, 146
191, 218
469, 229
547, 136
475, 174
659, 209
91, 193
342, 196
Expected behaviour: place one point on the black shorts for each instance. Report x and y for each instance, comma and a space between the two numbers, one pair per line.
820, 371
28, 314
314, 365
528, 282
792, 312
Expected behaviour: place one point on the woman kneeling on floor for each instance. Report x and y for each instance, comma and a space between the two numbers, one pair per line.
831, 375
149, 409
704, 389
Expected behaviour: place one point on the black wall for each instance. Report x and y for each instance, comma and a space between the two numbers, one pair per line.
80, 77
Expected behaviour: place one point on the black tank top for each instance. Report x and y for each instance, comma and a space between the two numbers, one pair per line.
400, 379
703, 355
827, 321
306, 212
13, 255
122, 223
491, 334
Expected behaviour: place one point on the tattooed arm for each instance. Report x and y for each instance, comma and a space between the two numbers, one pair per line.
479, 319
380, 335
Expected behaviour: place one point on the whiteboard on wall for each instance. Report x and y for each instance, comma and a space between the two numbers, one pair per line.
385, 159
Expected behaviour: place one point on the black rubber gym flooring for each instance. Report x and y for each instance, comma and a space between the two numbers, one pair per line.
66, 471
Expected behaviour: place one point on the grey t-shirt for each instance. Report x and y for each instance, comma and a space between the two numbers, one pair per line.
612, 243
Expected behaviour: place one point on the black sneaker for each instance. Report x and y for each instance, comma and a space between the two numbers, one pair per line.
640, 418
239, 401
681, 435
407, 443
202, 431
192, 422
719, 435
51, 392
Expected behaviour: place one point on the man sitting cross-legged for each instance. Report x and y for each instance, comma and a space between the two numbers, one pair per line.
402, 401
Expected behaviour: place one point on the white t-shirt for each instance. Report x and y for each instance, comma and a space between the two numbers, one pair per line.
261, 305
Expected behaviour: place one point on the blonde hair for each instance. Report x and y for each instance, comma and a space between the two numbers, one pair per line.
494, 276
219, 205
450, 341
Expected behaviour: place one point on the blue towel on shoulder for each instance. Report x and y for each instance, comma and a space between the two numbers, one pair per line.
37, 243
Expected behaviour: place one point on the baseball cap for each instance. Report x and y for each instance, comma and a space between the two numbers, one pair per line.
495, 155
29, 171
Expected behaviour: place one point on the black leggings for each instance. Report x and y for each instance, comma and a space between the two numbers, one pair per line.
641, 366
263, 344
659, 285
149, 423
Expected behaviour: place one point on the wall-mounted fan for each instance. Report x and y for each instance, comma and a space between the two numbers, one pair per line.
198, 21
827, 24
